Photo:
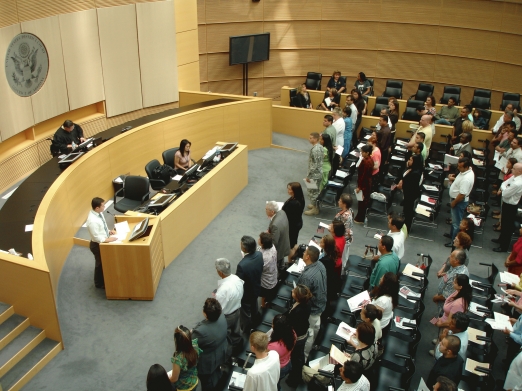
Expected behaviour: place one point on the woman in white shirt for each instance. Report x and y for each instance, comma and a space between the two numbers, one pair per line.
386, 297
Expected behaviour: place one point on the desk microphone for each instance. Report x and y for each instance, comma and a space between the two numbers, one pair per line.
112, 214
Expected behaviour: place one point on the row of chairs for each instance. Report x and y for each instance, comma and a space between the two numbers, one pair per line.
481, 97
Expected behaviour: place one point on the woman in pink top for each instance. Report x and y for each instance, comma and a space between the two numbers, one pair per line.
458, 301
376, 153
282, 340
182, 161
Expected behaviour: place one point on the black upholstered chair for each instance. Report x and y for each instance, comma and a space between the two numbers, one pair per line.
423, 91
313, 80
135, 192
168, 156
393, 88
156, 184
510, 97
481, 99
450, 92
293, 94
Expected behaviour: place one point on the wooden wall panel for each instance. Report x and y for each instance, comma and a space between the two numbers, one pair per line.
116, 3
203, 68
272, 85
51, 100
463, 39
157, 51
8, 13
403, 35
507, 78
359, 10
355, 33
292, 62
510, 48
187, 48
463, 71
511, 17
414, 66
294, 35
201, 11
120, 60
36, 9
202, 39
218, 68
16, 112
224, 11
292, 10
472, 13
406, 11
349, 62
82, 59
188, 77
256, 85
226, 87
186, 15
218, 34
203, 87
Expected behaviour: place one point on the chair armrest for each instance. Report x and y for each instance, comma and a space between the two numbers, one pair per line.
157, 182
116, 194
145, 197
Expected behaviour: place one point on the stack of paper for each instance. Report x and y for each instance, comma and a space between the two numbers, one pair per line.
355, 153
423, 210
435, 166
478, 152
474, 307
473, 333
297, 267
509, 278
401, 142
337, 356
410, 269
358, 301
472, 364
478, 162
320, 363
501, 322
405, 292
345, 331
431, 188
399, 322
341, 174
360, 145
335, 184
429, 200
339, 150
399, 148
395, 157
367, 137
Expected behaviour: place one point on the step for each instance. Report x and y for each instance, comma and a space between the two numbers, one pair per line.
19, 347
11, 328
30, 365
5, 312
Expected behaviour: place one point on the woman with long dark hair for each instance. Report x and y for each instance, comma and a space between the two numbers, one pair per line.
302, 99
282, 340
182, 160
386, 298
364, 182
184, 375
338, 231
328, 151
329, 257
157, 379
345, 215
393, 104
410, 185
293, 208
458, 301
360, 103
363, 84
298, 316
366, 351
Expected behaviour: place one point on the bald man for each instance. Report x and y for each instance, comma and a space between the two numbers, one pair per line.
510, 191
424, 127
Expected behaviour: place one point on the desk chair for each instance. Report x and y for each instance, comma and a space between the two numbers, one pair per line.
450, 92
313, 80
135, 192
423, 91
156, 184
510, 97
168, 156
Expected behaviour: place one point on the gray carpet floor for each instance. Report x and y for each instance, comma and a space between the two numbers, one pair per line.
110, 345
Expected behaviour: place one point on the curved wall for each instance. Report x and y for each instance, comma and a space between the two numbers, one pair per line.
444, 42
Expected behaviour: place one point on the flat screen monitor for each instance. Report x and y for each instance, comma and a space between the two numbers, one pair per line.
229, 147
205, 162
191, 171
85, 143
249, 48
162, 201
71, 157
139, 229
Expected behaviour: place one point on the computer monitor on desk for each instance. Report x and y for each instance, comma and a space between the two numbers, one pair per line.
190, 172
227, 149
139, 230
207, 160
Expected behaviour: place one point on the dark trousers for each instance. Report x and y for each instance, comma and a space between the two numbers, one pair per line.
210, 381
99, 282
293, 233
234, 337
248, 316
297, 359
509, 213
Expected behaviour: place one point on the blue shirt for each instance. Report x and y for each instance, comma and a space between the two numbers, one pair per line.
516, 334
348, 125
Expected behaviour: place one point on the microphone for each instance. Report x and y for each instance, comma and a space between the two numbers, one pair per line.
113, 215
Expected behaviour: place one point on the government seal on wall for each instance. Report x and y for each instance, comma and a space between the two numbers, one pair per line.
26, 64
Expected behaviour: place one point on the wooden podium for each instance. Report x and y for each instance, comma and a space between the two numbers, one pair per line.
132, 270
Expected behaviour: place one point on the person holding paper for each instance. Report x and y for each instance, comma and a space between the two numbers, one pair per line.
278, 228
409, 184
366, 351
294, 207
513, 261
264, 374
99, 233
68, 136
364, 183
386, 298
298, 316
388, 261
445, 288
331, 101
354, 380
348, 127
514, 376
330, 255
315, 172
514, 343
458, 326
457, 301
510, 191
372, 315
345, 215
449, 364
282, 340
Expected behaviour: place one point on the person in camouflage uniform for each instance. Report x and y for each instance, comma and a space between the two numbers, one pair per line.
315, 172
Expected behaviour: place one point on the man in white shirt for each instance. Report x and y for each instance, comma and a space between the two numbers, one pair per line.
354, 380
425, 127
386, 112
99, 233
510, 190
349, 103
515, 150
459, 193
229, 294
264, 374
395, 223
339, 126
514, 376
508, 116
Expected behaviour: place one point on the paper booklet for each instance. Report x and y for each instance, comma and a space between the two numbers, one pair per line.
338, 356
358, 301
341, 174
345, 331
429, 200
297, 267
339, 150
501, 322
405, 292
359, 196
323, 363
472, 364
473, 333
237, 380
509, 278
474, 308
399, 322
310, 185
409, 269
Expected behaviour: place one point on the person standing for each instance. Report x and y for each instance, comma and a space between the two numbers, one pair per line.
329, 128
68, 136
249, 269
345, 215
449, 364
229, 294
99, 233
278, 228
459, 191
386, 139
339, 126
364, 182
328, 154
510, 190
315, 172
294, 207
211, 334
388, 261
348, 126
410, 186
264, 374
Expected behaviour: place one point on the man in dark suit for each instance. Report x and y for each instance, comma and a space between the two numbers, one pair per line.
278, 227
212, 339
249, 269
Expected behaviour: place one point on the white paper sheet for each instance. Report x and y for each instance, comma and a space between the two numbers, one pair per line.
359, 196
122, 227
310, 185
341, 174
356, 303
177, 178
339, 150
345, 331
29, 227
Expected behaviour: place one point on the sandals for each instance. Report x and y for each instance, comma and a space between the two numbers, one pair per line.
497, 229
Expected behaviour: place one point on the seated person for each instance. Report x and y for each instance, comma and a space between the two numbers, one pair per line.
302, 99
448, 114
352, 374
68, 136
182, 160
363, 84
334, 99
457, 125
479, 122
366, 350
504, 138
463, 145
336, 83
444, 384
264, 374
449, 364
